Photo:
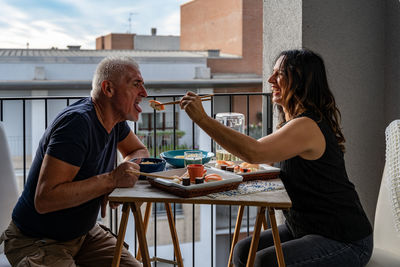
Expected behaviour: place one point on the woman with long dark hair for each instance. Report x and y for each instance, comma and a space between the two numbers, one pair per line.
326, 225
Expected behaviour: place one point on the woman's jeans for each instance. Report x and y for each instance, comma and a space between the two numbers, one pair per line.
309, 250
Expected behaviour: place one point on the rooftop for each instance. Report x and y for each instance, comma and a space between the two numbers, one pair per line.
8, 55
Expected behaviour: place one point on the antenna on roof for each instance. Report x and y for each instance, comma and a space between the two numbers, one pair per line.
129, 20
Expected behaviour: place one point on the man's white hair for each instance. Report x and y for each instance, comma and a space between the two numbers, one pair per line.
111, 68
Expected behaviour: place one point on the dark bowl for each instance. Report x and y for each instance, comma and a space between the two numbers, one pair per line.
153, 165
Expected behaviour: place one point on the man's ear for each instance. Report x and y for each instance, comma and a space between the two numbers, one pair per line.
106, 88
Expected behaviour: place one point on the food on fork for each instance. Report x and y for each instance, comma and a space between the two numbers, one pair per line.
156, 105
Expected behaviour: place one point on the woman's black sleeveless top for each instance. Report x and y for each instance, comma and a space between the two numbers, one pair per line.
324, 201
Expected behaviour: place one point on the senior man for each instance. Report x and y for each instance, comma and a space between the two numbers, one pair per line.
54, 220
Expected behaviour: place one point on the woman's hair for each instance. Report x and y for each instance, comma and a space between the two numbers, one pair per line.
112, 69
308, 90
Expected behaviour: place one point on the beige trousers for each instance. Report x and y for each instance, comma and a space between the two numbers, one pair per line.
95, 249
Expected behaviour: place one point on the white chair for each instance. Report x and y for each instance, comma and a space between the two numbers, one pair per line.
8, 190
387, 215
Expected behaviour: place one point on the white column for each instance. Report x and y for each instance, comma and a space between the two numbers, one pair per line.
352, 37
282, 31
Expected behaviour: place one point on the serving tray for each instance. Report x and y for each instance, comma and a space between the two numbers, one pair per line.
265, 172
229, 181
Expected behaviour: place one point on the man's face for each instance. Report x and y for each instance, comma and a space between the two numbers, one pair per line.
129, 92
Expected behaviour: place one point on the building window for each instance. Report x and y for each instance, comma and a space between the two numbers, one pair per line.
164, 121
160, 208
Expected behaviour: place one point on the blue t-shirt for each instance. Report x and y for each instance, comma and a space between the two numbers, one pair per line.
77, 137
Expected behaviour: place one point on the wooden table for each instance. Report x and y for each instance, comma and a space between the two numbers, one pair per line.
132, 199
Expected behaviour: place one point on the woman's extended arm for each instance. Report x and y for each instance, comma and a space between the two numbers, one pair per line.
300, 136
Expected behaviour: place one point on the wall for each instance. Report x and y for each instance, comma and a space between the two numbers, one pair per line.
100, 43
209, 24
350, 36
282, 30
359, 42
158, 42
392, 61
251, 56
128, 41
278, 36
53, 71
115, 41
233, 27
168, 68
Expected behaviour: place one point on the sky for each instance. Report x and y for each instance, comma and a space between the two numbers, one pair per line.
58, 23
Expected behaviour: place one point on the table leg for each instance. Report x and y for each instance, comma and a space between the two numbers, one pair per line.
277, 240
264, 223
135, 207
121, 235
146, 223
236, 233
256, 237
174, 236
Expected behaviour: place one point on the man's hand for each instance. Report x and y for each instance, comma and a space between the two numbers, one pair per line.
104, 206
124, 175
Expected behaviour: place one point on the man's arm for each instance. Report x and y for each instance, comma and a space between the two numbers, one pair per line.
131, 147
56, 189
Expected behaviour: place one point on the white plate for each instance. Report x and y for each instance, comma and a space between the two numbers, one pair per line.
227, 178
264, 168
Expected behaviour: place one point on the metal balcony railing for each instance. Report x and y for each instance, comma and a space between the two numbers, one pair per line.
20, 108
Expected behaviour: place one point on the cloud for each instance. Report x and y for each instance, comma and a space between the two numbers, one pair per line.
171, 23
59, 23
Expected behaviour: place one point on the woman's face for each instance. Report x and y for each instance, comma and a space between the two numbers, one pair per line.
278, 81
